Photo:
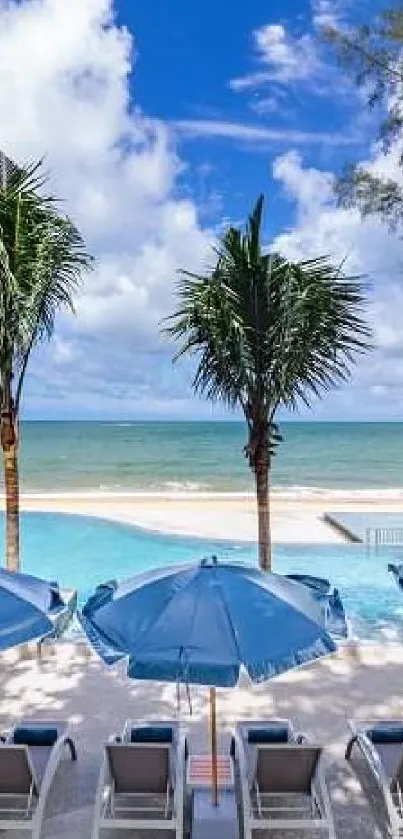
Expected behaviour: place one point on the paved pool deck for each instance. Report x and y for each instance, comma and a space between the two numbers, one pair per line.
363, 681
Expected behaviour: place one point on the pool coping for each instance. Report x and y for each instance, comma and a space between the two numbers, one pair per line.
332, 521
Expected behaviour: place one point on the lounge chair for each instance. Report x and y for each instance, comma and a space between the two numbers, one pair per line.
29, 756
381, 745
142, 780
269, 731
287, 790
257, 732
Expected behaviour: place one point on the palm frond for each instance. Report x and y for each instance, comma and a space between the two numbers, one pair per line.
45, 258
267, 332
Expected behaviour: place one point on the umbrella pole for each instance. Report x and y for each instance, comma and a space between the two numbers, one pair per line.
213, 732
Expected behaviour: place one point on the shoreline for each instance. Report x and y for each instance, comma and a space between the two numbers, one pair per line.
229, 516
292, 493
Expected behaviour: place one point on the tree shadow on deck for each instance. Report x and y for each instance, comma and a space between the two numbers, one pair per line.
320, 697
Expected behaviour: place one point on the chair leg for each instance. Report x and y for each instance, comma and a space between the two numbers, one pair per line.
36, 830
71, 747
350, 745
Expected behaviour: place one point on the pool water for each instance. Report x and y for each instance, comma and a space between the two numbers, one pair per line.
81, 552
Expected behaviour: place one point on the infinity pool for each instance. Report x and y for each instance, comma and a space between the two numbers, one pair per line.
81, 552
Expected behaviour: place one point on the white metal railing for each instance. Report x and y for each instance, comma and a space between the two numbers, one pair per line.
377, 536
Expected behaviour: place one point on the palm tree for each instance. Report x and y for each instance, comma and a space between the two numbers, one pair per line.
42, 258
267, 333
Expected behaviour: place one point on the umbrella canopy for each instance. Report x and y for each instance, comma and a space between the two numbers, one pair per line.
27, 605
200, 624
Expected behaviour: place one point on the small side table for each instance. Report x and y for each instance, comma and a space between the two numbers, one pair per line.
210, 821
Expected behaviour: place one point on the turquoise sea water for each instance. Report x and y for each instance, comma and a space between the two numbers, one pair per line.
81, 552
205, 456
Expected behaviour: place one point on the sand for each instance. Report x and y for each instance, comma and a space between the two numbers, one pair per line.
216, 516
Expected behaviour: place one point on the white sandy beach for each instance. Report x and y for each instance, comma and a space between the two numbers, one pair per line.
226, 516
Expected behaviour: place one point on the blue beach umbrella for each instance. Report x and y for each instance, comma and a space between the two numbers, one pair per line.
27, 606
200, 624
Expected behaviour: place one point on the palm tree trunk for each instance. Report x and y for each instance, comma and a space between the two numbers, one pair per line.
262, 473
11, 482
9, 444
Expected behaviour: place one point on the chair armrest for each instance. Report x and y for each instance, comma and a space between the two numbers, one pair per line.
102, 795
50, 770
240, 759
125, 735
375, 765
321, 794
180, 782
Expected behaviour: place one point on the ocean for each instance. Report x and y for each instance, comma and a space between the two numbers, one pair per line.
207, 457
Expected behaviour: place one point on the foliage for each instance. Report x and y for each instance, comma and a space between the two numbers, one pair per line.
42, 258
373, 53
267, 332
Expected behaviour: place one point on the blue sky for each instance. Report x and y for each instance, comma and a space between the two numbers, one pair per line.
161, 123
190, 56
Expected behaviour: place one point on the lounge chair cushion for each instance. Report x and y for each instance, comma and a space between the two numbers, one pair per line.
287, 769
25, 736
276, 734
152, 734
137, 768
386, 734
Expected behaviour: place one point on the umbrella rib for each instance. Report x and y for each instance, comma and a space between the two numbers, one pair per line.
302, 611
144, 632
227, 611
182, 650
276, 597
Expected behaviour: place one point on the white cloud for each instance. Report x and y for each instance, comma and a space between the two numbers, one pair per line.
326, 13
308, 186
366, 247
284, 57
265, 105
64, 91
290, 58
256, 134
